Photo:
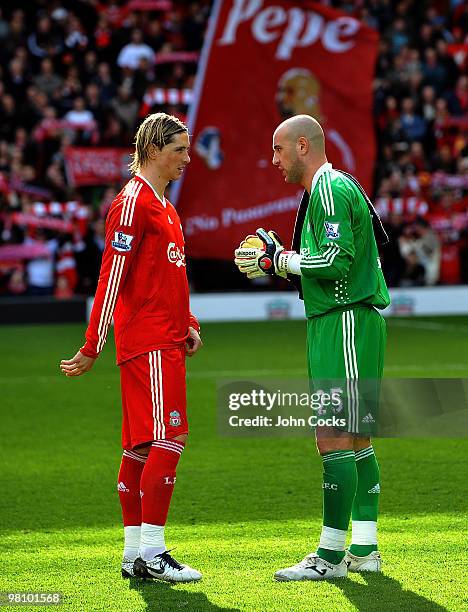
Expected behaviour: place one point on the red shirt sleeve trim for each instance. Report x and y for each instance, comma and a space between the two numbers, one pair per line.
194, 323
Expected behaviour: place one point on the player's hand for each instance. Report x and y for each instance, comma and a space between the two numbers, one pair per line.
273, 248
276, 252
247, 256
193, 342
268, 257
78, 365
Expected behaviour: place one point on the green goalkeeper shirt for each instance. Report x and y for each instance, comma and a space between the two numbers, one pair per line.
340, 264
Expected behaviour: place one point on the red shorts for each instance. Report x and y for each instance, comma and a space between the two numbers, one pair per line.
154, 401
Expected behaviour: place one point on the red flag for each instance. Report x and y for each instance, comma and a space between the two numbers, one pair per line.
263, 61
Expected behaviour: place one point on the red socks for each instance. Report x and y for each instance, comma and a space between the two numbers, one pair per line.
158, 479
145, 485
129, 487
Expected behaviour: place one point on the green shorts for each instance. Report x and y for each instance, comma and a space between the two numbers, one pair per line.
345, 354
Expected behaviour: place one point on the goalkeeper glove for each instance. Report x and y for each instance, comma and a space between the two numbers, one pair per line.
268, 256
247, 256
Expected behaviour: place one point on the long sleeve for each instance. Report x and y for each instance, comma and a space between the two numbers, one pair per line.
124, 231
331, 220
193, 322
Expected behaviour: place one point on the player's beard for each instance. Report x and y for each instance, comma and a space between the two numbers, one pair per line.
296, 172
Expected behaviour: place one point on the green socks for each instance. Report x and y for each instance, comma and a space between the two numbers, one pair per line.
351, 482
366, 504
339, 488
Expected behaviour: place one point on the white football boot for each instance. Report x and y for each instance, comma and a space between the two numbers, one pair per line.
370, 563
165, 567
127, 568
313, 567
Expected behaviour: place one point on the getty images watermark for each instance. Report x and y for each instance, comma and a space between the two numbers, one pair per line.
320, 402
418, 407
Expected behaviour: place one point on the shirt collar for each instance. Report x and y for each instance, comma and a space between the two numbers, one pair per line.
323, 168
163, 199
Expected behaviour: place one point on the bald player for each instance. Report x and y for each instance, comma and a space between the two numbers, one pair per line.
336, 267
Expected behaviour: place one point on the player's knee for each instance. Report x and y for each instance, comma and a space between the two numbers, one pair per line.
326, 446
329, 445
361, 443
330, 439
182, 438
143, 450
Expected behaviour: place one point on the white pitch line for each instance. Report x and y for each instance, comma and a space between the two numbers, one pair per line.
409, 367
404, 368
237, 373
425, 367
429, 326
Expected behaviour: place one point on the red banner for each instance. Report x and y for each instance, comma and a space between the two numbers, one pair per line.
96, 166
59, 225
264, 61
18, 252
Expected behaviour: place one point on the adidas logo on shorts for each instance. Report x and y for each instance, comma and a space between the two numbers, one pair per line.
121, 487
375, 489
368, 419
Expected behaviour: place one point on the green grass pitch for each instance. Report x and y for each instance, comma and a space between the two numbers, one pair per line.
242, 508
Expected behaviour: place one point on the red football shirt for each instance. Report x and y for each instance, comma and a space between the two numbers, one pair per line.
143, 281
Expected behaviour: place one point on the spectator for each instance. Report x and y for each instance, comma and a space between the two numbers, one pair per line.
414, 126
393, 263
417, 157
4, 27
71, 87
80, 124
427, 249
90, 66
88, 256
434, 72
75, 38
125, 108
17, 282
457, 100
413, 64
17, 33
427, 38
113, 134
428, 98
156, 35
102, 35
44, 42
93, 102
34, 108
40, 271
398, 36
80, 116
55, 181
17, 81
47, 80
448, 63
9, 116
443, 160
413, 270
105, 82
131, 54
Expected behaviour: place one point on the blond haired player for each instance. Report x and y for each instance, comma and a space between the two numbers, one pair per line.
143, 286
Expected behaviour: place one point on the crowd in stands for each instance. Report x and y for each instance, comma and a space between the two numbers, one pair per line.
421, 116
80, 73
84, 73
